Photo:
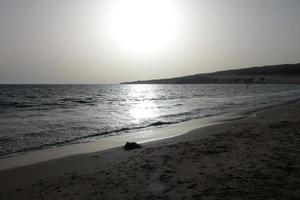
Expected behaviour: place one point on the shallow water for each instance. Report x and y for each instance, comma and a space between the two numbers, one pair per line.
34, 117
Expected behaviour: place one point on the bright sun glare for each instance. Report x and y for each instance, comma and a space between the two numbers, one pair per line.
143, 28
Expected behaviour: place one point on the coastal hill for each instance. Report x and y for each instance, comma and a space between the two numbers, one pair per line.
272, 74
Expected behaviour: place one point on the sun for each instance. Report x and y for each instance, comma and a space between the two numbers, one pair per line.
143, 28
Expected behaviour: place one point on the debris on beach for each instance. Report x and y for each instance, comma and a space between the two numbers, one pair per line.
131, 146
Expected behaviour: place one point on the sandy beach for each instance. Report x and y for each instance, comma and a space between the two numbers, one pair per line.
252, 158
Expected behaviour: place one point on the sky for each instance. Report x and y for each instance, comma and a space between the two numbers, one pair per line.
111, 41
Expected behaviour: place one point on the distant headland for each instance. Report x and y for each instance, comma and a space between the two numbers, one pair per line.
272, 74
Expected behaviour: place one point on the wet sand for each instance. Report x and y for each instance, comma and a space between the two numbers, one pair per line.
253, 158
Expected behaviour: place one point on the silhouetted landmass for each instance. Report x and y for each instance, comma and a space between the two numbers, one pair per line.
273, 74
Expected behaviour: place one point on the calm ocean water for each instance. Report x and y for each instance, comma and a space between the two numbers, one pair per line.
34, 117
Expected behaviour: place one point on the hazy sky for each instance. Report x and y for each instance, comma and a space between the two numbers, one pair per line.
109, 41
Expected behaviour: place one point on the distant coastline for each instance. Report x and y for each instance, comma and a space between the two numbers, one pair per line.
272, 74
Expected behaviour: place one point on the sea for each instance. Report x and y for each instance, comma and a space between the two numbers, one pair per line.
35, 117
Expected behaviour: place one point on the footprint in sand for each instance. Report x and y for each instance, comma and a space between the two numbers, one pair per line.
157, 188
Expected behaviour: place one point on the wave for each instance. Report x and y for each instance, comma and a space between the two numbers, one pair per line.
80, 100
39, 105
5, 104
160, 123
6, 139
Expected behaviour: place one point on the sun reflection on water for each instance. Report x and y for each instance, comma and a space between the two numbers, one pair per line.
143, 106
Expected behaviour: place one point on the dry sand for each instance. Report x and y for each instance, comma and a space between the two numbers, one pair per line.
253, 158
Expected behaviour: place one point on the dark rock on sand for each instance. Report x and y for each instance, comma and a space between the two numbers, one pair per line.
131, 145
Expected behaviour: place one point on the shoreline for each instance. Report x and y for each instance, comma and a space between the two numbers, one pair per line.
258, 153
155, 134
110, 142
